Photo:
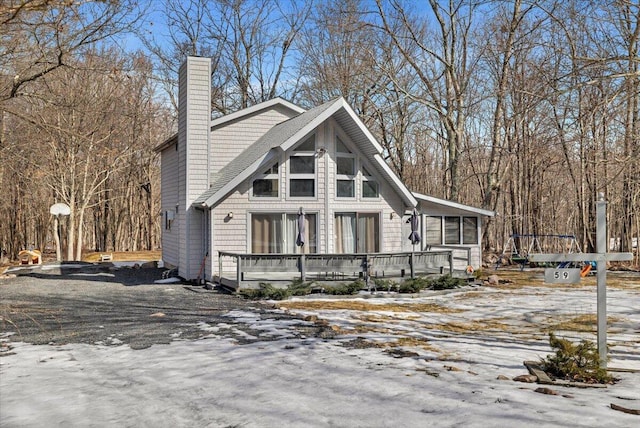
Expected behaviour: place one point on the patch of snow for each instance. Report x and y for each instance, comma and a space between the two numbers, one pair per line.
450, 381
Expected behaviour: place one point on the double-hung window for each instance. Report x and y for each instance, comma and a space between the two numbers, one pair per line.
302, 169
345, 171
277, 233
357, 233
265, 185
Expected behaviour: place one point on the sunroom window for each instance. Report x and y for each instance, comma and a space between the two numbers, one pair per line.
370, 187
453, 226
433, 235
302, 169
345, 171
266, 184
469, 230
276, 233
452, 230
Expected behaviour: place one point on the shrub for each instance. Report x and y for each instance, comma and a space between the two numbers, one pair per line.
388, 284
580, 363
413, 285
446, 282
265, 291
299, 288
346, 289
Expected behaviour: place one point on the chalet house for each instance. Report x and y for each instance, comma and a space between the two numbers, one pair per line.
277, 179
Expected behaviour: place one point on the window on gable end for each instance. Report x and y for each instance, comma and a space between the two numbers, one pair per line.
265, 185
370, 187
302, 169
345, 171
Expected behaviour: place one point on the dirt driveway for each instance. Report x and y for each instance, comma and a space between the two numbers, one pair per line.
99, 304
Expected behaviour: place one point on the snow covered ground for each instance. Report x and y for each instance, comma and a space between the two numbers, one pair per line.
387, 360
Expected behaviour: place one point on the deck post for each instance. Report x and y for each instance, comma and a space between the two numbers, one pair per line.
239, 270
601, 267
411, 259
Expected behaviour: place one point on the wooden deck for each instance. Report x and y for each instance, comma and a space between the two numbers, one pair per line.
282, 269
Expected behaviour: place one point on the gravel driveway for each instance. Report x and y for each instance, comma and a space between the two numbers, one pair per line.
100, 304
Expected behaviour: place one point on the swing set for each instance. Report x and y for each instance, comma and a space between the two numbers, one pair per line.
520, 246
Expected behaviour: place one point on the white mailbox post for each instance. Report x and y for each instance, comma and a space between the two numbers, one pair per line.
601, 258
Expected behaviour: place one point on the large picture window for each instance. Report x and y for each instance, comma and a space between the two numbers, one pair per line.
276, 233
302, 169
357, 233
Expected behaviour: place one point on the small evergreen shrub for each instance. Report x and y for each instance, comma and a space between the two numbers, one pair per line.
265, 291
446, 282
299, 288
346, 289
414, 285
579, 363
386, 284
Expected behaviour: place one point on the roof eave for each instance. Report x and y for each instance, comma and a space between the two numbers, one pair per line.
166, 143
455, 205
255, 109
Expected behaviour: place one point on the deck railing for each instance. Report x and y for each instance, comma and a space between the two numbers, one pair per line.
273, 267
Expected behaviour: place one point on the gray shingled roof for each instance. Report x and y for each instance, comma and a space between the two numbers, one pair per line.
243, 164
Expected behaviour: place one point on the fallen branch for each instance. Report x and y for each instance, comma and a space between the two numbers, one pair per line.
625, 410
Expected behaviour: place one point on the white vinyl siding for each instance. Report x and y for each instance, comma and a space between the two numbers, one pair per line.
170, 178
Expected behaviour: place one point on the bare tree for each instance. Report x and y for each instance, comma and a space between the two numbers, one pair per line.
40, 36
440, 59
249, 44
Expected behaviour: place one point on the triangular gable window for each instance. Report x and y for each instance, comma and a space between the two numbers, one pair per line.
370, 187
266, 184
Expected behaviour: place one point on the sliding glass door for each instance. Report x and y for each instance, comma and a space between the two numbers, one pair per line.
357, 233
276, 233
